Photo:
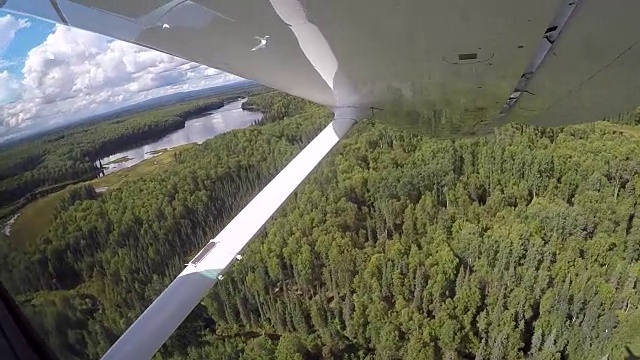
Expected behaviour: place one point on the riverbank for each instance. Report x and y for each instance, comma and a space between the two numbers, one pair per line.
195, 130
148, 159
63, 157
35, 217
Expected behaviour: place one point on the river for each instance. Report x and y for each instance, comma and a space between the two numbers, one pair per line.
229, 117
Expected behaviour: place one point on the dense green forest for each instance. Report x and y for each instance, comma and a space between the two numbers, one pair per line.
521, 245
68, 156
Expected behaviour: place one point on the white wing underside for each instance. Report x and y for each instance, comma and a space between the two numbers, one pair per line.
415, 55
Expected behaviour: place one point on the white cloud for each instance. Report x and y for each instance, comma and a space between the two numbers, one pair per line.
9, 25
76, 73
8, 87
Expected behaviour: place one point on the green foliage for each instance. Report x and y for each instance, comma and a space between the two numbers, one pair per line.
30, 169
75, 195
275, 108
522, 245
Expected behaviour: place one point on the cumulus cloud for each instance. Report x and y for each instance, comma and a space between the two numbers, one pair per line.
9, 25
8, 87
77, 73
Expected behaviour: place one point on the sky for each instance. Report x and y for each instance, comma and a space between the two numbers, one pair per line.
51, 74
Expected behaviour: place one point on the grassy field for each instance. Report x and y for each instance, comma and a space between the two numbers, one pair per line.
36, 217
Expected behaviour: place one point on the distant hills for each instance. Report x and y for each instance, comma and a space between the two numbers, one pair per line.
171, 99
138, 107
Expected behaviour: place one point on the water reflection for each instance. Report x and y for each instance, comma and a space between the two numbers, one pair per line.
229, 117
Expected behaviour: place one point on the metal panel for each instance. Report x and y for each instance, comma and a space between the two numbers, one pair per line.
99, 21
593, 71
205, 250
442, 67
127, 8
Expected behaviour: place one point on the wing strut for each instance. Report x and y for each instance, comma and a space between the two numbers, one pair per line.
147, 334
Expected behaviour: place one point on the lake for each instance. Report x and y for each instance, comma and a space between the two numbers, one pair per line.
229, 117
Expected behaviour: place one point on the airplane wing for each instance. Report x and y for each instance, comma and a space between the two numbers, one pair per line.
444, 67
409, 58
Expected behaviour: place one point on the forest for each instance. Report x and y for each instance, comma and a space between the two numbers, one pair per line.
50, 163
521, 245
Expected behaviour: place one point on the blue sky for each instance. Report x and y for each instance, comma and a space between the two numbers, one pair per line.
12, 58
52, 74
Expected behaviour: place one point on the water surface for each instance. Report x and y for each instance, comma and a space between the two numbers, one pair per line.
229, 117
